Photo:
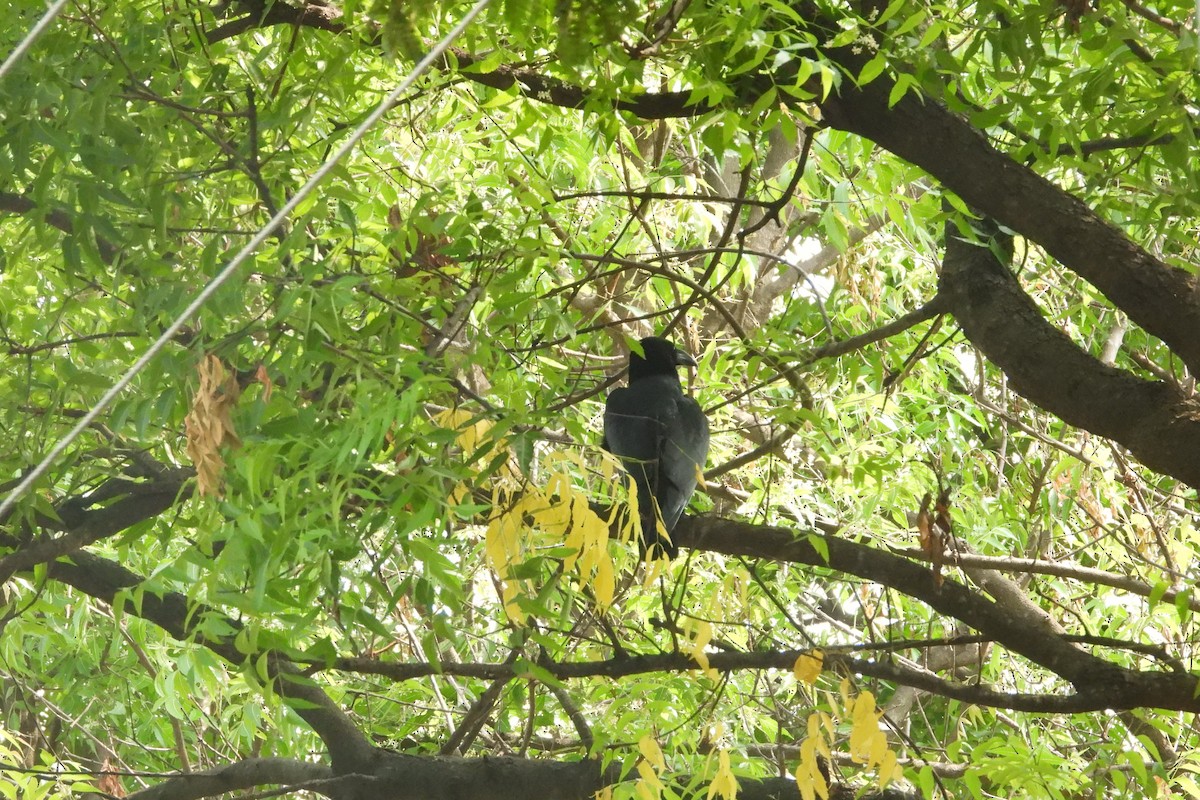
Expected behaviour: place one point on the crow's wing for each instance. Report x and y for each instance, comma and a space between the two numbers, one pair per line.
662, 438
682, 459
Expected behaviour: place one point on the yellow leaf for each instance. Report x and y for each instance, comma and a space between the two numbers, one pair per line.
868, 744
653, 570
604, 585
701, 635
630, 531
863, 710
610, 467
725, 783
830, 726
648, 747
808, 666
649, 780
451, 419
877, 748
500, 543
553, 517
558, 484
864, 730
809, 778
509, 596
473, 434
582, 531
889, 769
844, 690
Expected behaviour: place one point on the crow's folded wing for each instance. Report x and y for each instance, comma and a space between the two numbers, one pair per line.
661, 436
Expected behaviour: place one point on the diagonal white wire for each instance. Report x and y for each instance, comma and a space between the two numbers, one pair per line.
275, 221
31, 37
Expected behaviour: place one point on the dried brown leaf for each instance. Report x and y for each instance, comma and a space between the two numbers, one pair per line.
209, 425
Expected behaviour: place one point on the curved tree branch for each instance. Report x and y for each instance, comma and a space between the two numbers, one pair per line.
1102, 682
1099, 683
246, 774
143, 501
262, 14
1157, 422
1160, 298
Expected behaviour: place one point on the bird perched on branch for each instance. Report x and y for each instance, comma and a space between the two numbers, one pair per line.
661, 436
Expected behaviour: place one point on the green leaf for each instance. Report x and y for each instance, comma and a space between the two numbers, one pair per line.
872, 69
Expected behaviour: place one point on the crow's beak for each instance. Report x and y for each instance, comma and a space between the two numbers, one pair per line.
682, 359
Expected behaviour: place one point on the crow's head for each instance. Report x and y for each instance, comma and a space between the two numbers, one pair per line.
658, 357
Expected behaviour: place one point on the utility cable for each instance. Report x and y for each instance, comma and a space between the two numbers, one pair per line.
33, 35
275, 221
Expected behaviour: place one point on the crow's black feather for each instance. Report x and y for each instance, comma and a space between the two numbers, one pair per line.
661, 436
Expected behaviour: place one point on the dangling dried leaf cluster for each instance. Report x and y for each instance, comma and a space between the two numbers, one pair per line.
209, 425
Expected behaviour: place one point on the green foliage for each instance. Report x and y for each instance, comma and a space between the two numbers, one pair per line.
443, 319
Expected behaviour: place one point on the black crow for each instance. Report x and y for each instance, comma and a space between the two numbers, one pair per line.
661, 436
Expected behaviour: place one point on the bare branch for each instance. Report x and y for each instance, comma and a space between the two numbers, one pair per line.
1061, 569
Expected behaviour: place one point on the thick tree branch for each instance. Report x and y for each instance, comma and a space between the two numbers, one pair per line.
1102, 682
1157, 422
1099, 683
144, 501
405, 777
1164, 300
239, 775
263, 14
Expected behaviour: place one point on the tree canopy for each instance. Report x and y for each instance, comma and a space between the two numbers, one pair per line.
351, 534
